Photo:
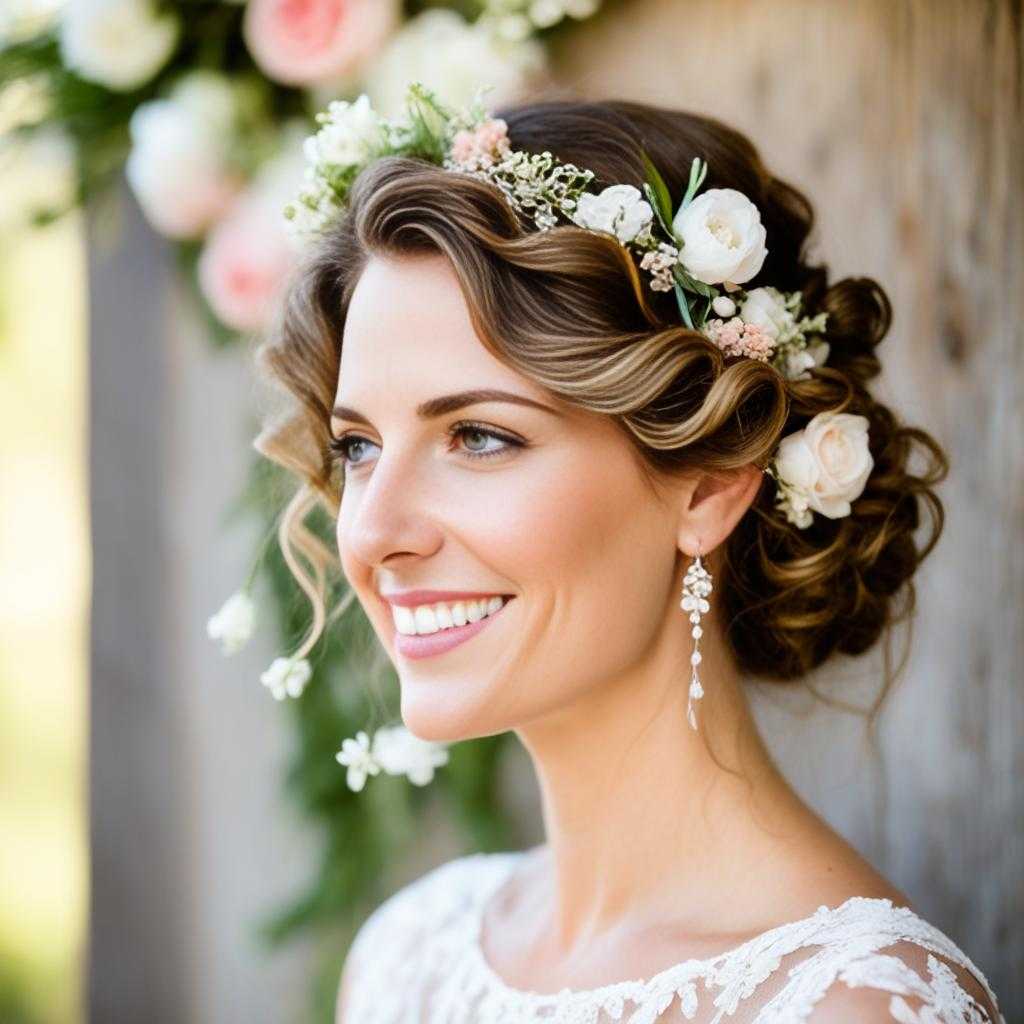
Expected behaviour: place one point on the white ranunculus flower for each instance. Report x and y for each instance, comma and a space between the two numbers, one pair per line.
287, 677
356, 756
620, 210
351, 135
400, 752
233, 623
722, 235
178, 164
766, 307
828, 462
452, 57
121, 44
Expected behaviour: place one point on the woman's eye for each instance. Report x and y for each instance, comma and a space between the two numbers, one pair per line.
347, 448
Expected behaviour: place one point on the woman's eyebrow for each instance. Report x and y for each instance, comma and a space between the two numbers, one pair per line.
450, 403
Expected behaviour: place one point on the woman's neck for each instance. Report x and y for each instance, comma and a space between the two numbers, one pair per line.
638, 814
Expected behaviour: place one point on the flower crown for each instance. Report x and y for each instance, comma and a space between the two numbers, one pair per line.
704, 252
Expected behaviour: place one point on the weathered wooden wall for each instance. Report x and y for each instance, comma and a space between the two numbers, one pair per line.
903, 122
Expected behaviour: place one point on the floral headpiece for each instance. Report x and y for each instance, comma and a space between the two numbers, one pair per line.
704, 252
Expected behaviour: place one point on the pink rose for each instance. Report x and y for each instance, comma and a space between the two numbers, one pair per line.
314, 42
244, 264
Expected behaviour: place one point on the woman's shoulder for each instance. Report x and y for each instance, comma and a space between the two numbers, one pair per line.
866, 959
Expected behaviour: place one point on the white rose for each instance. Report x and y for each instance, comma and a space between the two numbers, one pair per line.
178, 166
351, 135
766, 307
118, 43
619, 209
723, 237
828, 462
400, 752
451, 56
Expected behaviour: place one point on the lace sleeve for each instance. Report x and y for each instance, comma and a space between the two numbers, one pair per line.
904, 982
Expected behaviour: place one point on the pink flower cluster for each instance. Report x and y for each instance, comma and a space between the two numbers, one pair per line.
736, 337
482, 146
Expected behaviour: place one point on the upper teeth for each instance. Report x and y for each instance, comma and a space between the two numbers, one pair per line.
429, 618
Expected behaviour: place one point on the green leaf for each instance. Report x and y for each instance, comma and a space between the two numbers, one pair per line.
698, 169
684, 307
661, 200
653, 200
691, 284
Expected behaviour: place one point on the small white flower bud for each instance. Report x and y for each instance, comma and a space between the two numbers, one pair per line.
724, 306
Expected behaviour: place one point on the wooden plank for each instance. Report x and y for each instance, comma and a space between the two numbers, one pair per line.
137, 830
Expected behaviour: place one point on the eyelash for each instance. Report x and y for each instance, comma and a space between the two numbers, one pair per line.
339, 445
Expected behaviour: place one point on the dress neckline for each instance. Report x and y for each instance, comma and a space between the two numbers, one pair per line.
693, 967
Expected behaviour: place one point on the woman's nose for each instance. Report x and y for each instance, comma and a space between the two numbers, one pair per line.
388, 512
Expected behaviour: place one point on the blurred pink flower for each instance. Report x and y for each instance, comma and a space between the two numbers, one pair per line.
315, 42
244, 263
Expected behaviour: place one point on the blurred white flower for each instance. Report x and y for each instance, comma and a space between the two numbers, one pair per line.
178, 165
400, 752
350, 134
233, 623
355, 755
287, 677
119, 43
452, 57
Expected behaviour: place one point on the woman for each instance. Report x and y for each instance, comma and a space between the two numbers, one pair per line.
585, 481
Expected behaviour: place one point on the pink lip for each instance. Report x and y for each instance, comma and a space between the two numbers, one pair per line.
444, 639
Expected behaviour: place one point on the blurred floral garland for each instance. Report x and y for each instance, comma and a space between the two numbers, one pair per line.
202, 105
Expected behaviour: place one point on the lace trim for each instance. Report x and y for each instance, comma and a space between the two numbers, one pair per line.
423, 959
849, 936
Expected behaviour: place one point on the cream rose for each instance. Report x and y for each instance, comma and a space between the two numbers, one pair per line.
827, 463
620, 210
313, 42
723, 237
121, 44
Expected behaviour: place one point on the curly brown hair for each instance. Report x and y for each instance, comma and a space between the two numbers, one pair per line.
569, 309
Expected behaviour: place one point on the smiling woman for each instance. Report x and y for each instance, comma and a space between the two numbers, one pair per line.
523, 448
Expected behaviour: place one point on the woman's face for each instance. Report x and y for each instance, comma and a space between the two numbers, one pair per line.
543, 502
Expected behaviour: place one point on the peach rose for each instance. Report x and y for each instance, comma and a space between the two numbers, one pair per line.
827, 464
316, 42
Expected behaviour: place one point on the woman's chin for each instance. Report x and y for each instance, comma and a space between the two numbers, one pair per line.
439, 721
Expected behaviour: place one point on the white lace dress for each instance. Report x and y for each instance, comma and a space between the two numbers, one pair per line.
418, 960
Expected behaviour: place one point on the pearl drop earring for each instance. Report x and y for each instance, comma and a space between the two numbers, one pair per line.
696, 587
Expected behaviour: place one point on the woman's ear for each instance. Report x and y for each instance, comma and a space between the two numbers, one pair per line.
713, 505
